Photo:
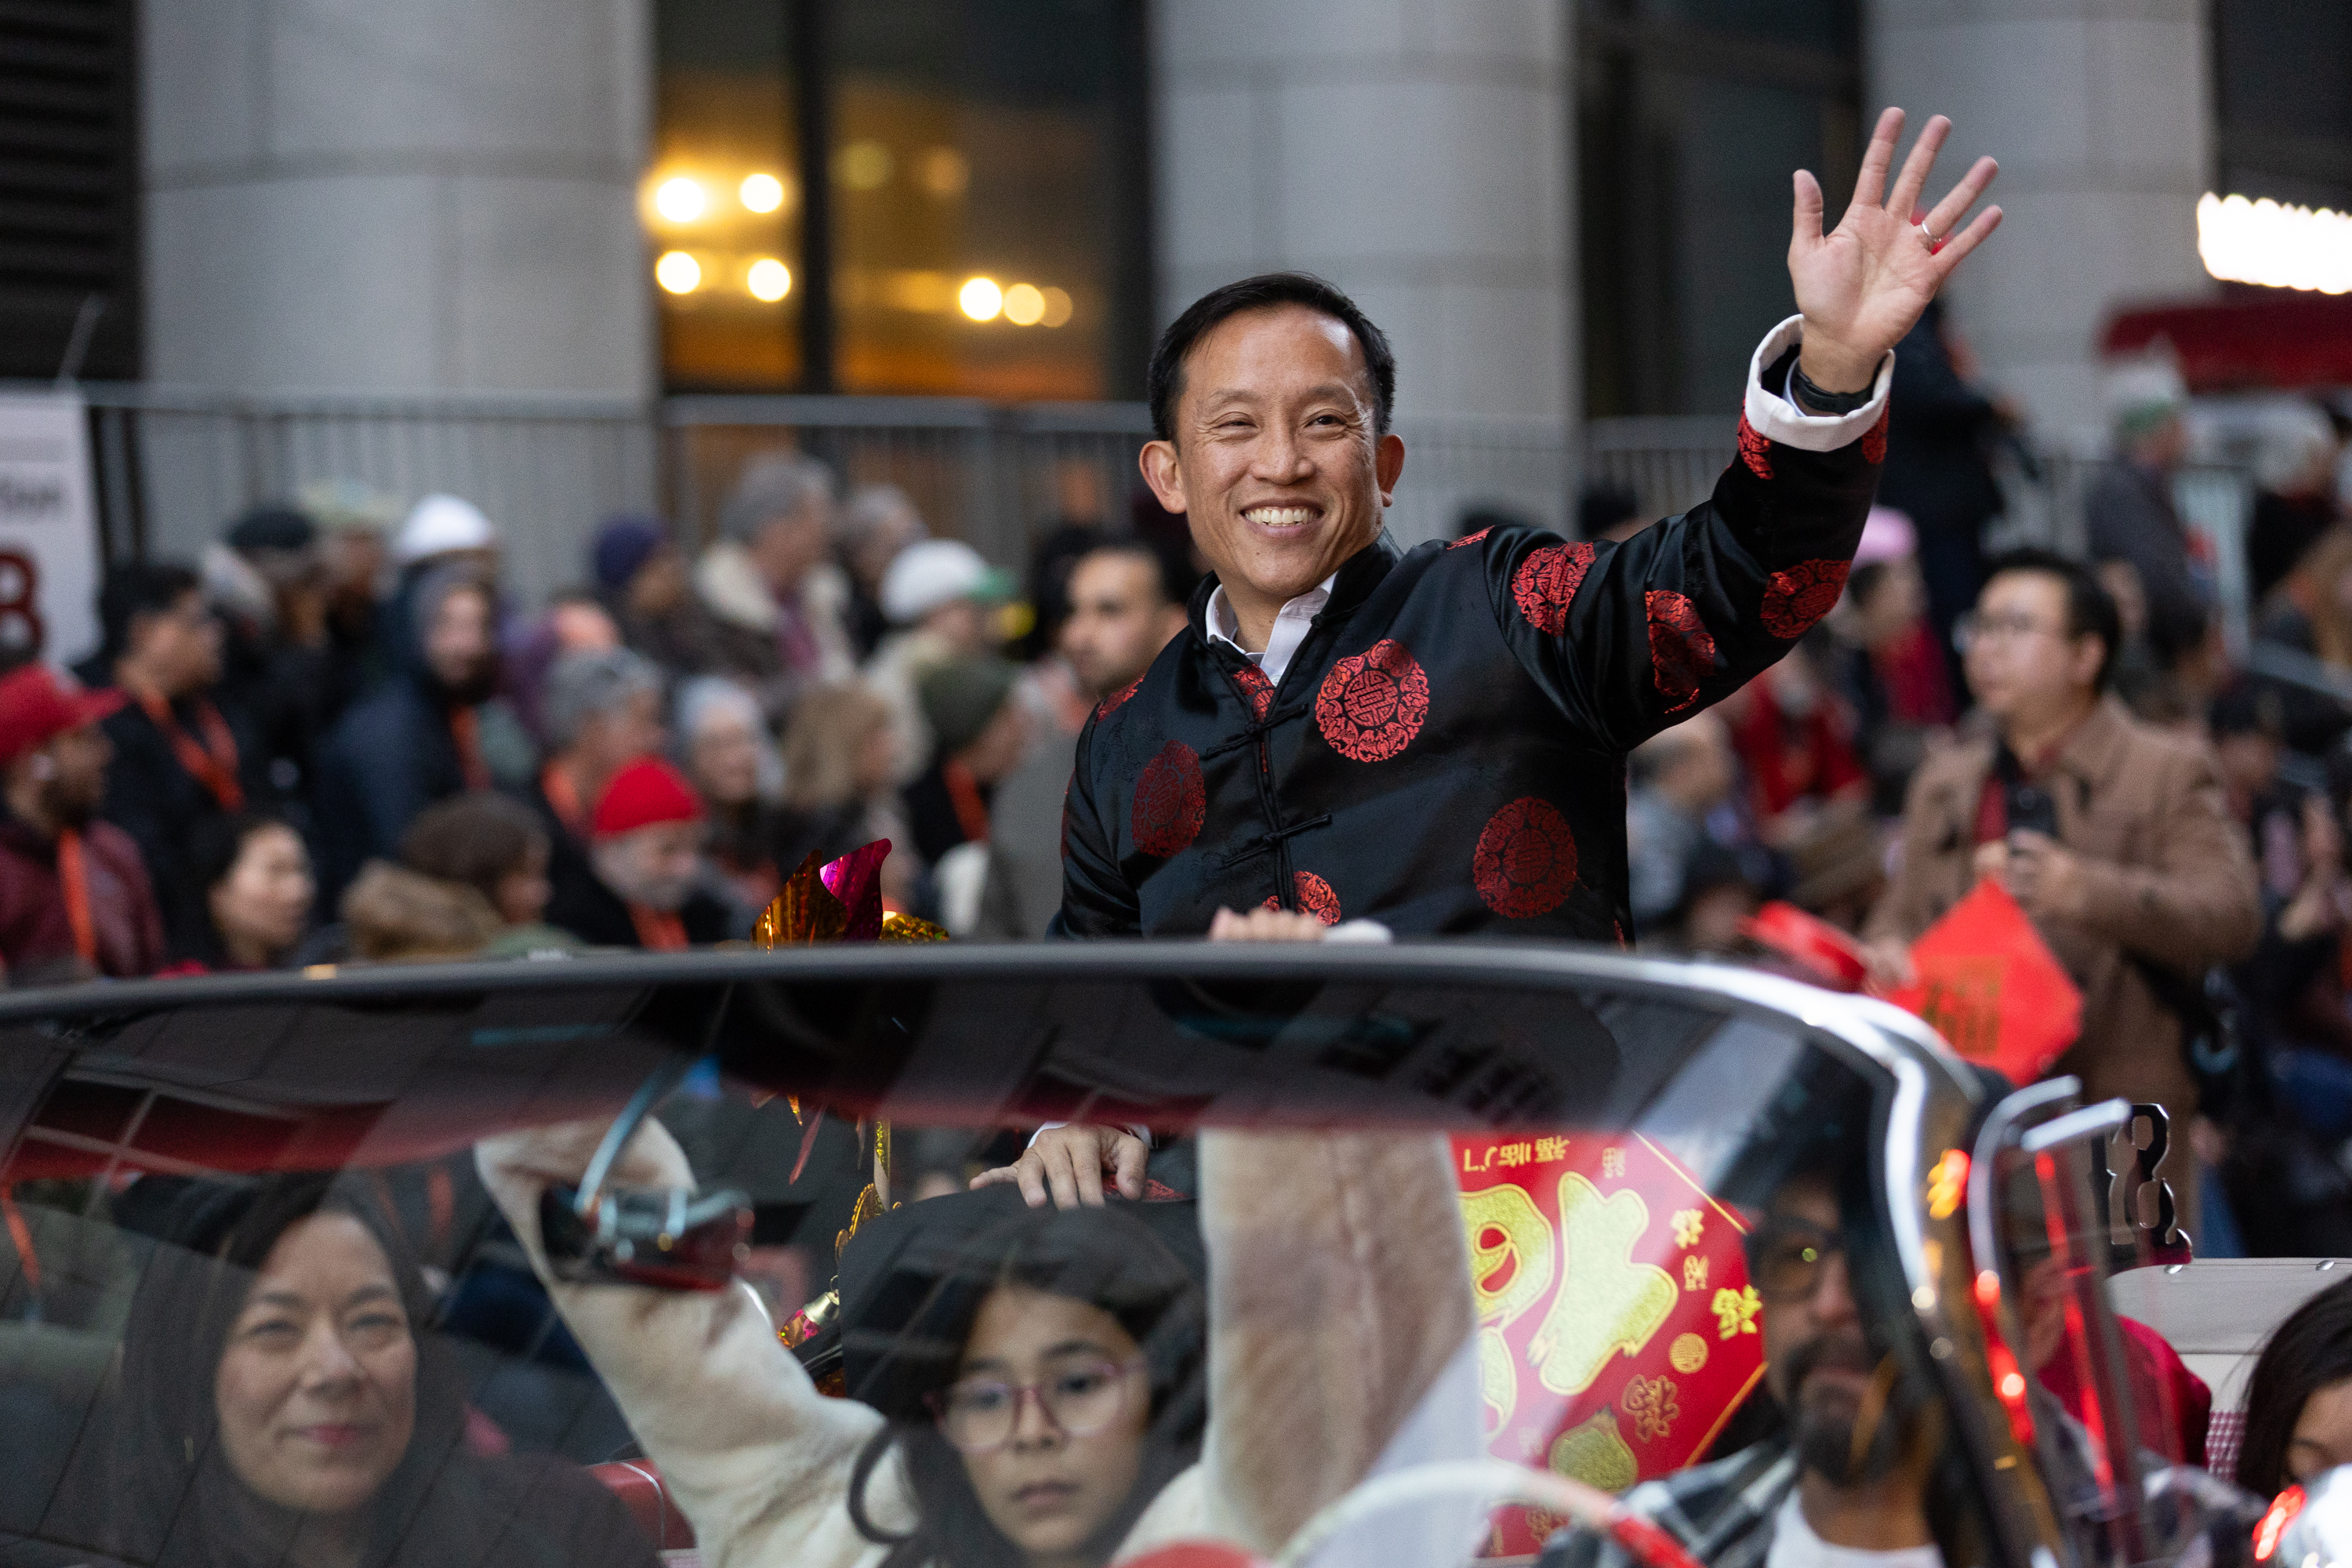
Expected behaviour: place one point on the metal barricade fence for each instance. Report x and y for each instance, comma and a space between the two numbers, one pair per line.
174, 466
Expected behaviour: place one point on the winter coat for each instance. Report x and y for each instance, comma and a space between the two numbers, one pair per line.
2170, 880
35, 937
154, 799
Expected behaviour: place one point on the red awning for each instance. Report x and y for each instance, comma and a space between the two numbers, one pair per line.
2255, 339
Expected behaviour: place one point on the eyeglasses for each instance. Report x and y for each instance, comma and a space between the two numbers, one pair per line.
1785, 1258
980, 1415
1976, 627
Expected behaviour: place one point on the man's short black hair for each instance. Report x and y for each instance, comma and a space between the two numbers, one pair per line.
141, 588
1170, 579
1165, 382
2090, 608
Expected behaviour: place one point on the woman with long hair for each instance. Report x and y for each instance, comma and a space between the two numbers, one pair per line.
282, 1403
2299, 1400
1052, 1402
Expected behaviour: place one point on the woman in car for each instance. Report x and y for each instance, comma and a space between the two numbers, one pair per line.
282, 1407
1042, 1409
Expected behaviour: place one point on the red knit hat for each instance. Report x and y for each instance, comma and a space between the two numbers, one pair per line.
38, 705
646, 792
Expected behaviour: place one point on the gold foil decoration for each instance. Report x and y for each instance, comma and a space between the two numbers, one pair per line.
1596, 1454
1607, 1302
1525, 1248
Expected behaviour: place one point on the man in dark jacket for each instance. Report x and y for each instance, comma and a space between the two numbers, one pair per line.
420, 737
75, 901
182, 756
1437, 740
1940, 432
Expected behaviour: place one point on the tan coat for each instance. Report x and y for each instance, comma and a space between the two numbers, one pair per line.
2169, 877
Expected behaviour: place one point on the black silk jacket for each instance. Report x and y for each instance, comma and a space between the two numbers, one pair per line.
1446, 750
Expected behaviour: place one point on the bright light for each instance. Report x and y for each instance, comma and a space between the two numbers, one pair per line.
1058, 308
981, 298
2282, 247
770, 280
680, 200
1024, 306
760, 193
679, 272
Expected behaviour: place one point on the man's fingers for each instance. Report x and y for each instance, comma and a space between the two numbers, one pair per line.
1805, 225
1088, 1172
1967, 240
1915, 168
1059, 1177
1871, 183
1025, 1173
1127, 1158
1961, 197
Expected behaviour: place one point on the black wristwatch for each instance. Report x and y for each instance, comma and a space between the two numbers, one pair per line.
1814, 400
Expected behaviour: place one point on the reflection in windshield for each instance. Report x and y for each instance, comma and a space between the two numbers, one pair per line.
1648, 1251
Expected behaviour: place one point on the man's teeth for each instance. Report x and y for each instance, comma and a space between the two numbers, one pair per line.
1278, 515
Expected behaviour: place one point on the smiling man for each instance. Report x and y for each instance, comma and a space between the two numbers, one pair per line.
1438, 739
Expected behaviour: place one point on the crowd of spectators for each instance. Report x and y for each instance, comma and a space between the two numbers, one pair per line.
336, 738
2174, 824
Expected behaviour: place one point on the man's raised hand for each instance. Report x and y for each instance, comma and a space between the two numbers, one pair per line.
1864, 283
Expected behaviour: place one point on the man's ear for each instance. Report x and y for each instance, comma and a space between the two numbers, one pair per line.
1388, 463
2090, 651
1164, 473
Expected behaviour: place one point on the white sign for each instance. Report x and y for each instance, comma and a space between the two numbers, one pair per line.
49, 529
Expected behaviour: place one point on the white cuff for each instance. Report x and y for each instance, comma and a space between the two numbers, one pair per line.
1142, 1134
1360, 931
1776, 418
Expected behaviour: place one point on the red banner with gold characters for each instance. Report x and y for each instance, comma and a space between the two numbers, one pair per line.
1617, 1331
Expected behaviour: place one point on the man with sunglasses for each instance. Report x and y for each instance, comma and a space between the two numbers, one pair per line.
1843, 1485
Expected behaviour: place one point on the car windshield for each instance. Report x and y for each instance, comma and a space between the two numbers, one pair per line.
360, 1270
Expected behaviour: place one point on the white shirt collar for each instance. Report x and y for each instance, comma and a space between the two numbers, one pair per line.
1290, 626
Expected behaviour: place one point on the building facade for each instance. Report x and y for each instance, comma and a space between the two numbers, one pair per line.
1568, 214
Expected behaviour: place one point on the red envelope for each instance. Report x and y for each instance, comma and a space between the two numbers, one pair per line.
1991, 988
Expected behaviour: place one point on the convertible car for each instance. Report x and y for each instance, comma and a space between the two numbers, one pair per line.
1441, 1252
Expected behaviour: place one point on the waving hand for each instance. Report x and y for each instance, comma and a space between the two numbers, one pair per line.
1864, 283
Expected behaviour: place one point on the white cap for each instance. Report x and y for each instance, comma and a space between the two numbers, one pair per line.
439, 524
934, 572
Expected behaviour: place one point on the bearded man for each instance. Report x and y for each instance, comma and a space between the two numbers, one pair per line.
1437, 739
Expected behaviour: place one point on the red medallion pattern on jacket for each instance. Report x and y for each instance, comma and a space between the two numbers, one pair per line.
1445, 752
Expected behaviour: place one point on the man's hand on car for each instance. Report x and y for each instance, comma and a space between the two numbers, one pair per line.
1069, 1164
